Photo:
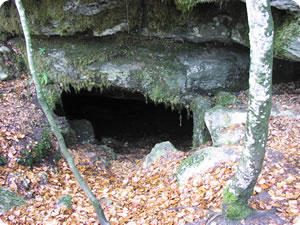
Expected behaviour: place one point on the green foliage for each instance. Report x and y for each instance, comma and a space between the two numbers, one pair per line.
42, 51
52, 97
44, 78
187, 5
3, 161
234, 207
38, 152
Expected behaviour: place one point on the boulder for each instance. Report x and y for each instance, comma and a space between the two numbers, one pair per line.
158, 151
84, 131
10, 63
3, 73
64, 202
204, 159
200, 133
223, 125
226, 125
68, 133
9, 199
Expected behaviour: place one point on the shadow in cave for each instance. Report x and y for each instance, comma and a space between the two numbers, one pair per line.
127, 118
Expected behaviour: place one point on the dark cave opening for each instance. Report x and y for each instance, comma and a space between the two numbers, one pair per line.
128, 118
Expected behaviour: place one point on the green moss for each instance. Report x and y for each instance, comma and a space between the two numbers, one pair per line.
52, 94
225, 98
38, 152
235, 208
192, 161
187, 5
52, 14
285, 32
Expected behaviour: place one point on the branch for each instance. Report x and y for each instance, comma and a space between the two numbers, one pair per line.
48, 113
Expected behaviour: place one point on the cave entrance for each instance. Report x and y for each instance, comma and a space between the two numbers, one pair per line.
128, 118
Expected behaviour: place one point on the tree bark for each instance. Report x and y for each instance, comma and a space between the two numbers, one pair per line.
236, 196
51, 120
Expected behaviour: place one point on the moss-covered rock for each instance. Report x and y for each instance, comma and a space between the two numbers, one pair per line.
11, 64
287, 37
8, 200
179, 20
186, 5
3, 161
172, 73
65, 201
39, 151
204, 159
69, 17
225, 98
200, 133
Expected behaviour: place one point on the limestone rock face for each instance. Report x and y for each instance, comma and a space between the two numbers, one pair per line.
153, 18
290, 5
164, 71
70, 17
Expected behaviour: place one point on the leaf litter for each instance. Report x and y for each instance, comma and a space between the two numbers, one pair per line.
129, 193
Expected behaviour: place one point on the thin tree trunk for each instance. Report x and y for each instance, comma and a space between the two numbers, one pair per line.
238, 192
51, 120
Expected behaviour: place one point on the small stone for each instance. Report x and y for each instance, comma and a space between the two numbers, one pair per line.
4, 49
65, 201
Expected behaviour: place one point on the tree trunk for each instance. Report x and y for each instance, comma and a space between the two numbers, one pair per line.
51, 120
236, 196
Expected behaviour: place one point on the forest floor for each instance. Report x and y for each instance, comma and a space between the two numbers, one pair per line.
129, 193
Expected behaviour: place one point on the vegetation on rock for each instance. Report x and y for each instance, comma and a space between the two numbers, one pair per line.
38, 152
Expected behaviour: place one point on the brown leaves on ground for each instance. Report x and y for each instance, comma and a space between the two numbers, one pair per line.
129, 193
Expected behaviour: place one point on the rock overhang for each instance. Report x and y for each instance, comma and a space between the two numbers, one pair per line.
164, 71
